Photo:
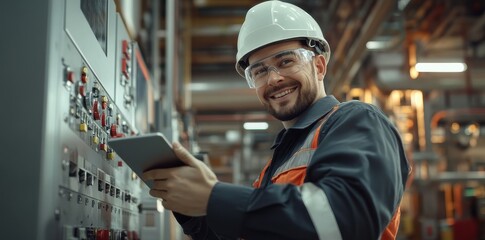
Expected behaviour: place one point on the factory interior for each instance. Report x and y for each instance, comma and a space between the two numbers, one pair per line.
169, 66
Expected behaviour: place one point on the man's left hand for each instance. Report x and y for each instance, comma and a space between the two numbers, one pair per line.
185, 189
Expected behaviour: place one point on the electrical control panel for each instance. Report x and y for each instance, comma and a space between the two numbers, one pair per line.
98, 194
82, 90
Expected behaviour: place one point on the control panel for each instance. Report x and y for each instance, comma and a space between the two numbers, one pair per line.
99, 195
74, 78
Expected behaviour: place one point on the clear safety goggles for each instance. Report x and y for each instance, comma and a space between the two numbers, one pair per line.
284, 63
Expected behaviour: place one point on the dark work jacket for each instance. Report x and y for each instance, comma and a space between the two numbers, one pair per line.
359, 165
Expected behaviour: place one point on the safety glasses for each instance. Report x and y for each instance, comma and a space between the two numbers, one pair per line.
284, 63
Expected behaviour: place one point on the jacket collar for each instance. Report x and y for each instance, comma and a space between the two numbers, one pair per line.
315, 112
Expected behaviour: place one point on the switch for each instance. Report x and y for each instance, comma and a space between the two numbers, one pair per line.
95, 90
116, 235
95, 139
83, 127
89, 179
135, 236
84, 74
110, 154
118, 193
124, 234
72, 169
112, 131
110, 110
69, 233
76, 232
103, 146
95, 110
126, 49
82, 91
80, 233
82, 175
78, 111
102, 234
109, 121
90, 124
104, 102
125, 128
72, 110
90, 233
125, 68
88, 101
103, 119
69, 75
100, 185
84, 78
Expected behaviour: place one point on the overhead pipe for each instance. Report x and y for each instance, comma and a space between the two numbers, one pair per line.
349, 68
452, 114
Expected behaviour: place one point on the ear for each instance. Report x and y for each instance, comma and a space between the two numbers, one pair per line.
320, 66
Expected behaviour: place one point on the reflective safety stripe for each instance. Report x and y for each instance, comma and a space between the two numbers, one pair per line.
314, 198
320, 211
299, 159
304, 155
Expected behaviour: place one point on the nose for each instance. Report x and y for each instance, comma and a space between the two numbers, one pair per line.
274, 76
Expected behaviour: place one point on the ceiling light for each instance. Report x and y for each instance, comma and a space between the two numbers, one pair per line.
376, 45
441, 67
256, 125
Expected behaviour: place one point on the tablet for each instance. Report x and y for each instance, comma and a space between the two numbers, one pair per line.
145, 152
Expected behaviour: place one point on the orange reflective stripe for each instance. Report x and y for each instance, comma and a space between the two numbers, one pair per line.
315, 138
294, 172
294, 176
300, 159
391, 230
323, 121
257, 182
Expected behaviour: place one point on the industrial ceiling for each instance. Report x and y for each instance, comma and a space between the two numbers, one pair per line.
405, 31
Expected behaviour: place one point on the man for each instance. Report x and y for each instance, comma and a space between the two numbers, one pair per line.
338, 170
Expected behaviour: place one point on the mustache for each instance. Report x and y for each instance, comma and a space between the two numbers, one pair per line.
270, 90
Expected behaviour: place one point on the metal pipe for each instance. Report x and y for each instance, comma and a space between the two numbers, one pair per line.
348, 70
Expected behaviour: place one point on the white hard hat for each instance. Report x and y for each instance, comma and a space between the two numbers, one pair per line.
275, 21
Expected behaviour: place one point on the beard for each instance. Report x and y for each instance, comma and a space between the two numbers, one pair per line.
306, 97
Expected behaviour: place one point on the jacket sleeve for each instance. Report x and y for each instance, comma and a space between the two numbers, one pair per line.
361, 168
196, 227
354, 184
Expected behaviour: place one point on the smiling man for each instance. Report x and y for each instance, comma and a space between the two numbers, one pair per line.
338, 169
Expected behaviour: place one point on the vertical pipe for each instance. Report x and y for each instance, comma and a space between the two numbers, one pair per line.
418, 103
187, 39
466, 58
170, 70
155, 47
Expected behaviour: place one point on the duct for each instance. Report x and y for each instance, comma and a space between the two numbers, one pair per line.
349, 68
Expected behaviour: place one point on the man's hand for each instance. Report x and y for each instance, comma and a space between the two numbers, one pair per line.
185, 189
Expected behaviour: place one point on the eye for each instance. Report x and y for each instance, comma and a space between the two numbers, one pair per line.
258, 72
287, 62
